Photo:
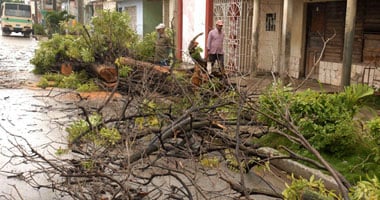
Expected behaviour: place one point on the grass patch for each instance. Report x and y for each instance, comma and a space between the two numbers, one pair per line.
355, 166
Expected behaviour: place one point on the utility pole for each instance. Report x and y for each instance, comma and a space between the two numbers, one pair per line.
55, 5
35, 12
255, 36
286, 40
80, 12
349, 33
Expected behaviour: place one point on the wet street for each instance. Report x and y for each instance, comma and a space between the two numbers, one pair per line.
25, 113
32, 116
15, 54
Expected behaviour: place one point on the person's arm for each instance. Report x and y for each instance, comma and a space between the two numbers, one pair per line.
169, 42
209, 38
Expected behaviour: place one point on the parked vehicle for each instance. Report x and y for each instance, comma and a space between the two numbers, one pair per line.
17, 18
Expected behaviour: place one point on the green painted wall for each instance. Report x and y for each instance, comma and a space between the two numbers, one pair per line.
152, 15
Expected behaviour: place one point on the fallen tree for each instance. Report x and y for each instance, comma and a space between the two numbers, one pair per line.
162, 136
152, 139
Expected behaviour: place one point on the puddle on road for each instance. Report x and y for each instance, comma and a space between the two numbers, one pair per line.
15, 66
29, 114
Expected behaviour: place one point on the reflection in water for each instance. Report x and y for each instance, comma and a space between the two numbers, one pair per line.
15, 54
25, 113
40, 121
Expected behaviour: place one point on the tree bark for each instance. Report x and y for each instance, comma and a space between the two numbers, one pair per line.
137, 63
105, 72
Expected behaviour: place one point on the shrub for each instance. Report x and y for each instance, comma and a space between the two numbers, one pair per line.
104, 137
38, 29
144, 49
366, 189
58, 49
54, 19
89, 86
124, 71
326, 120
373, 127
110, 42
99, 43
300, 188
73, 81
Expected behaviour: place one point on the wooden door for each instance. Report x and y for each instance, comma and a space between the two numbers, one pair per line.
323, 21
315, 36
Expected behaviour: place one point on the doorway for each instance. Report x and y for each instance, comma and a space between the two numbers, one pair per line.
269, 35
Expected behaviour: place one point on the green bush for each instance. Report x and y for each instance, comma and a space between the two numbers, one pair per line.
77, 81
54, 19
43, 83
326, 120
110, 42
88, 87
81, 126
74, 81
307, 189
300, 188
366, 189
144, 49
374, 129
104, 137
51, 53
38, 29
99, 42
124, 71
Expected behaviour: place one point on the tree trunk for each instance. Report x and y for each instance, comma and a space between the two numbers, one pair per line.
105, 72
137, 63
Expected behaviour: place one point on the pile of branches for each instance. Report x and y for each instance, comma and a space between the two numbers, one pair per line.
175, 144
154, 78
161, 148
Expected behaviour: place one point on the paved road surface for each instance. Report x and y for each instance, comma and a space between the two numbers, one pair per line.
27, 113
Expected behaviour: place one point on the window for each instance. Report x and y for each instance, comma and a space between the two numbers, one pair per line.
270, 23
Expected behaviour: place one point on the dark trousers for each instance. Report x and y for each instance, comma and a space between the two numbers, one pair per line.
217, 57
163, 63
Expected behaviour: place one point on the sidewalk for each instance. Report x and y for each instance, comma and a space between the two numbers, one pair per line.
259, 84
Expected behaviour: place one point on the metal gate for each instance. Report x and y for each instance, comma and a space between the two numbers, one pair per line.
237, 18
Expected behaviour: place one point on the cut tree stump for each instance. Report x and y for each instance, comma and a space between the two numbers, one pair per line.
106, 72
66, 69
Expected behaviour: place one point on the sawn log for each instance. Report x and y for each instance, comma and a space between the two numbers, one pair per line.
106, 72
137, 63
109, 74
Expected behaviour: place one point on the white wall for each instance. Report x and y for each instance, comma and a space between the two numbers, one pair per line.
109, 5
139, 13
172, 10
194, 22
